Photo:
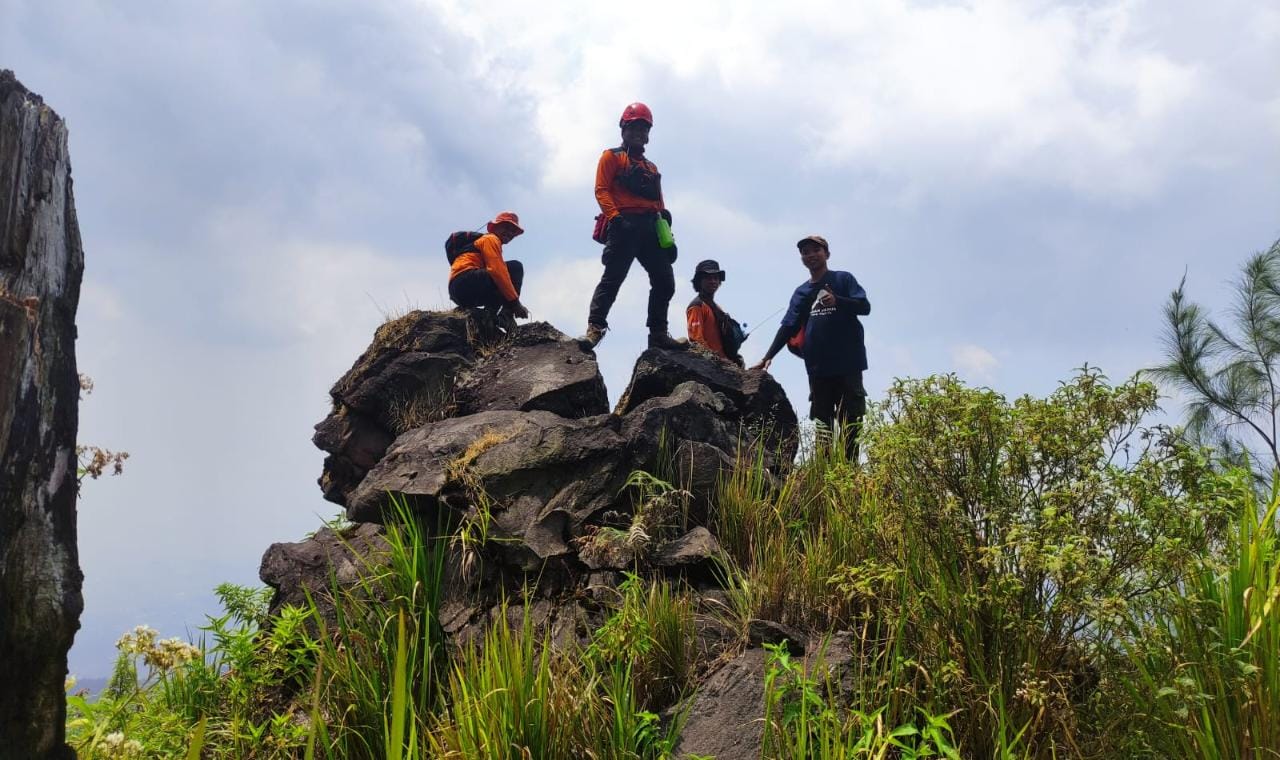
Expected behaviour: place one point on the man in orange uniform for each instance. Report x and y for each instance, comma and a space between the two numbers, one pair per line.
480, 277
629, 191
707, 321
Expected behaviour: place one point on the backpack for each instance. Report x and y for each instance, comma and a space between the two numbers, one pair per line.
459, 243
731, 333
732, 336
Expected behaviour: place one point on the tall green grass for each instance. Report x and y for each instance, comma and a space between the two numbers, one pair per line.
1210, 673
380, 663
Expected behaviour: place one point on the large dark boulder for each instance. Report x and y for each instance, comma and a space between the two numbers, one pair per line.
428, 366
412, 359
539, 368
542, 476
307, 570
356, 443
726, 714
757, 403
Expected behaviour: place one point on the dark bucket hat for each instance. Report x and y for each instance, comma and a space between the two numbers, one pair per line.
707, 267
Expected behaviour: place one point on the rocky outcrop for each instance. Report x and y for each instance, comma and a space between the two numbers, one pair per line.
543, 476
538, 369
306, 571
518, 428
429, 366
41, 263
756, 402
469, 427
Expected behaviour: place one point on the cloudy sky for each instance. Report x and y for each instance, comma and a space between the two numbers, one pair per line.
1018, 185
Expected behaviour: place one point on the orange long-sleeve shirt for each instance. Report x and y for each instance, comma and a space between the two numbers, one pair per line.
611, 195
703, 327
488, 255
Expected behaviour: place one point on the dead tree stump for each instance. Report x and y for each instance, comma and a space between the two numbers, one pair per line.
41, 263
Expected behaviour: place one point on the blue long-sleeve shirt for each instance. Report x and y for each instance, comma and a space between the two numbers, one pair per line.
833, 336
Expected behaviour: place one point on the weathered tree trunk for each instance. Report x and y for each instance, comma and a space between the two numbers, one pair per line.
41, 263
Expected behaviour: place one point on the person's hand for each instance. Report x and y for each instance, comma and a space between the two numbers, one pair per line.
620, 222
519, 311
763, 364
665, 215
827, 298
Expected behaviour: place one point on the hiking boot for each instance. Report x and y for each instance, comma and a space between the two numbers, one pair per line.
505, 321
594, 335
665, 341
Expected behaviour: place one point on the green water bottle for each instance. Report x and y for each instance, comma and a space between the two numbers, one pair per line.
665, 238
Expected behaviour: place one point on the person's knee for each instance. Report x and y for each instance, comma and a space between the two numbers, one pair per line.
515, 270
664, 283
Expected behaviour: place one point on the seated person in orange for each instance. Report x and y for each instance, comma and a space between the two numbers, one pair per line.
709, 325
480, 276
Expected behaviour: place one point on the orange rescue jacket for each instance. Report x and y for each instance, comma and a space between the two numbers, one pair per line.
615, 199
703, 327
487, 255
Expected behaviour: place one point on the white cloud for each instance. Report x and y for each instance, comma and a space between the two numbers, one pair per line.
974, 361
559, 291
1075, 96
299, 291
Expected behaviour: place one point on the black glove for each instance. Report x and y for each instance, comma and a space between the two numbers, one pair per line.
665, 215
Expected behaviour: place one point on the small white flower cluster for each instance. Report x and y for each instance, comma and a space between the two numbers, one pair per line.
159, 654
116, 747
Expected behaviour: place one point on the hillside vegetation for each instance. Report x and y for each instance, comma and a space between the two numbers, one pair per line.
1035, 578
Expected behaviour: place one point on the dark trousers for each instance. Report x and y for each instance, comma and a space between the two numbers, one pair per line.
475, 287
842, 398
635, 237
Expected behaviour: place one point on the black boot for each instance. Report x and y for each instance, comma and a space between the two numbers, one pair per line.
664, 341
505, 321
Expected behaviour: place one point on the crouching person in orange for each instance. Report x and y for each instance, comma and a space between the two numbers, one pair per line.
480, 277
709, 325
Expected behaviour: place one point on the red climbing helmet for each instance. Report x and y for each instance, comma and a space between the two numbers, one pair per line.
636, 112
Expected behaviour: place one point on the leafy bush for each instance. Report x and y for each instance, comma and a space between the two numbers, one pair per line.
989, 555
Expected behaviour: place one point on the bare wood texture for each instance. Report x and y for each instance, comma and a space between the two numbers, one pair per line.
41, 264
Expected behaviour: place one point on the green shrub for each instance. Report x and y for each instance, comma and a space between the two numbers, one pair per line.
1209, 668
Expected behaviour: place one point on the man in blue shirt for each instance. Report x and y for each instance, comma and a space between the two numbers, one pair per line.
824, 311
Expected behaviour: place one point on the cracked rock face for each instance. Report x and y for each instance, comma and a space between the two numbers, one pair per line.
545, 476
754, 400
517, 433
425, 367
520, 428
